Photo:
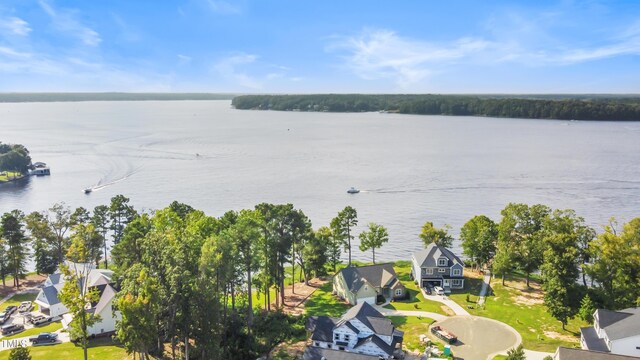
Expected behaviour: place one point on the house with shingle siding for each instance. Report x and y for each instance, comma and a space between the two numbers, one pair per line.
357, 284
437, 266
361, 330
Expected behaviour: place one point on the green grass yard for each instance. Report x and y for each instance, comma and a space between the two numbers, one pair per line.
523, 310
323, 302
413, 327
416, 301
99, 349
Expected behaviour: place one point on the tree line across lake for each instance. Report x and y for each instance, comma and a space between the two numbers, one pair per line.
585, 107
191, 281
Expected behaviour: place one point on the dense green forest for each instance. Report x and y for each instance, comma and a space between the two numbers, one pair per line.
14, 157
110, 96
563, 107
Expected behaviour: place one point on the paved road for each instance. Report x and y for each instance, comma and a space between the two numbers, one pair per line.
536, 355
10, 344
457, 309
480, 338
485, 285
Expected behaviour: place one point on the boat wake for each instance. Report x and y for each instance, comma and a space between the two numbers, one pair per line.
101, 184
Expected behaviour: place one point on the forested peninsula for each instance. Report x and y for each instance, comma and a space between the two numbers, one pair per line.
562, 107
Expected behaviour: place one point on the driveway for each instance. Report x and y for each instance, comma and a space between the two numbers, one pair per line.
480, 338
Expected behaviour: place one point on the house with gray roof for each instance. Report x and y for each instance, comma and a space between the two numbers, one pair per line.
437, 266
357, 284
90, 278
564, 353
362, 330
616, 332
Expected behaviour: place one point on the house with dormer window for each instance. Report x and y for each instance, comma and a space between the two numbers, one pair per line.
437, 266
361, 330
371, 283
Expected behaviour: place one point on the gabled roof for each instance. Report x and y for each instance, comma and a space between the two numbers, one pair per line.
321, 327
55, 278
578, 354
592, 340
51, 295
370, 317
619, 324
429, 256
317, 353
379, 275
108, 293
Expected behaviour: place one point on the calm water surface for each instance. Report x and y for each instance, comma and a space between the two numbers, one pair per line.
409, 168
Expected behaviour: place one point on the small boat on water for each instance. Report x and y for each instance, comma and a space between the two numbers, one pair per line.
88, 190
353, 190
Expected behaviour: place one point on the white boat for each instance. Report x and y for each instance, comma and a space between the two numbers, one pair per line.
353, 190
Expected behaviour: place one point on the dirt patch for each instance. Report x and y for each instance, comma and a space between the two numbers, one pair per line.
447, 310
293, 350
30, 281
558, 336
474, 274
294, 300
532, 295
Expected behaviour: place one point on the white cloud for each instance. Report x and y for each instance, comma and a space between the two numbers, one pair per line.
64, 20
229, 68
15, 25
223, 7
184, 60
376, 54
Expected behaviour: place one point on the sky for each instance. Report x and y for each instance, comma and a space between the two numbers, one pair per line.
297, 46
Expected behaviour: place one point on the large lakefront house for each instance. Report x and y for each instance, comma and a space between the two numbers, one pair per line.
437, 266
616, 332
357, 284
362, 331
99, 279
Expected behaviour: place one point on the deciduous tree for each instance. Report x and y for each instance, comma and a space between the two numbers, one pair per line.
373, 238
439, 236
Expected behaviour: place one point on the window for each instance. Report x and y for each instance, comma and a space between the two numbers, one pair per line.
457, 282
442, 262
336, 336
346, 337
441, 270
456, 272
317, 343
341, 348
398, 292
429, 271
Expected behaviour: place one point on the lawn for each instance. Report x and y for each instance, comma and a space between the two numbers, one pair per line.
323, 302
416, 301
523, 310
35, 331
18, 298
413, 327
6, 175
99, 349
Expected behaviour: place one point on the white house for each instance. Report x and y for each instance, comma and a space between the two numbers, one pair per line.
437, 266
99, 279
616, 332
579, 354
361, 330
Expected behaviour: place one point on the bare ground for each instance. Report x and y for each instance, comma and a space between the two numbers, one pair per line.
30, 281
294, 301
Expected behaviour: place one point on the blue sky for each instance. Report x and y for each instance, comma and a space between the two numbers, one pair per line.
300, 46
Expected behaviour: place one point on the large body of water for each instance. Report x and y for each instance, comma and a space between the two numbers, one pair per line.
410, 168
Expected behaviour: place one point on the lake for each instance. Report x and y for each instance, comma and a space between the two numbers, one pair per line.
410, 168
